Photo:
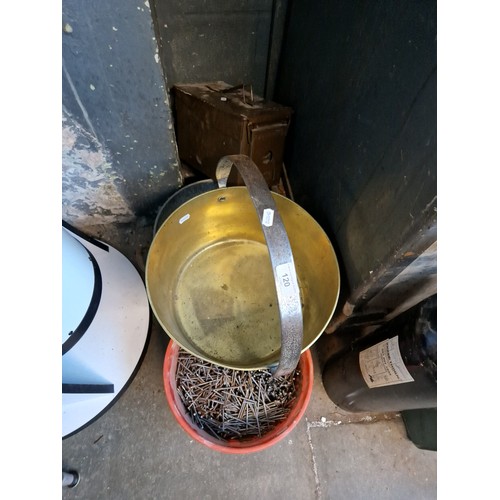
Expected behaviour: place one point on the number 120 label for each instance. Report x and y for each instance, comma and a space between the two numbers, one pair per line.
287, 279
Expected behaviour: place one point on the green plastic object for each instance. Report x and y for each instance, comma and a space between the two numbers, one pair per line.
421, 427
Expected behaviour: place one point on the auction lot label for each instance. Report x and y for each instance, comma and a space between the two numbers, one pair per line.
382, 364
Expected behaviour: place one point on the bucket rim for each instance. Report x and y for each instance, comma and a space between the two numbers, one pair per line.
251, 445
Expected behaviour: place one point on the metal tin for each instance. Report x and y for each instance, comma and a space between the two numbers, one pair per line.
213, 120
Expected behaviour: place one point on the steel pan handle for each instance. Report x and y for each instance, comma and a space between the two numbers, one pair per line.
280, 253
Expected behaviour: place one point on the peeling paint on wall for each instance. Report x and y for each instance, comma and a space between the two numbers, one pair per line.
119, 97
89, 183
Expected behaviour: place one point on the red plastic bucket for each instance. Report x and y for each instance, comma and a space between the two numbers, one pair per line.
236, 446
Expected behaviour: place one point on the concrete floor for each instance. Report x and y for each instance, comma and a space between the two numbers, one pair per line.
137, 450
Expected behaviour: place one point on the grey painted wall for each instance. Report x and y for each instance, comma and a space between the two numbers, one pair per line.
235, 41
119, 156
120, 59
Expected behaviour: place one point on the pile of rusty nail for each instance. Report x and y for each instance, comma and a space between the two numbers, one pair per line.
232, 404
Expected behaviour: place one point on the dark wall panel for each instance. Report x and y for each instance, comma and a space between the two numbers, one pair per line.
215, 40
361, 152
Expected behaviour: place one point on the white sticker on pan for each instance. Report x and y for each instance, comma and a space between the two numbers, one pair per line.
383, 365
268, 217
184, 218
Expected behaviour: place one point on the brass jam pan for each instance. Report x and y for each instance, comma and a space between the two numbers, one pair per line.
215, 289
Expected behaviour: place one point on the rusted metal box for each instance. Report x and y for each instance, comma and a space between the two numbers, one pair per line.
215, 119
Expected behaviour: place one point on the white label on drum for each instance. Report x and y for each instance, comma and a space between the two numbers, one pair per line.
383, 365
287, 280
184, 218
268, 217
